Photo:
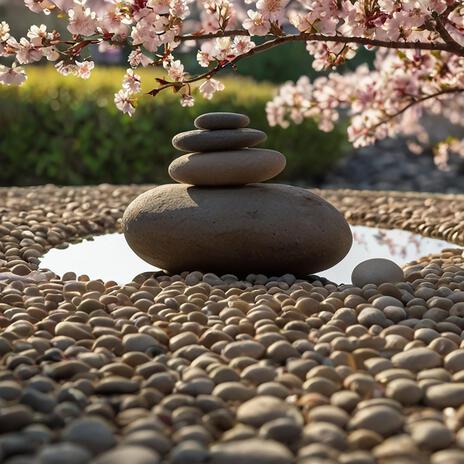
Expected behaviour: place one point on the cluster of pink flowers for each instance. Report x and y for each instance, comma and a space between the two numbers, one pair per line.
419, 44
391, 99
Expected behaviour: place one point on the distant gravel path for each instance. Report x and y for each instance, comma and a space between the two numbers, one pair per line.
390, 166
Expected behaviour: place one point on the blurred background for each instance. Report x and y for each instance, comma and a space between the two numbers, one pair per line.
67, 131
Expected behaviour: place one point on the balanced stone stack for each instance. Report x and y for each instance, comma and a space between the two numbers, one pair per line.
219, 155
221, 218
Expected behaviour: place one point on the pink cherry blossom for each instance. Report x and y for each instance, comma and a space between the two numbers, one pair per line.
242, 44
176, 70
272, 10
25, 51
255, 24
82, 21
39, 6
12, 76
66, 69
37, 34
131, 81
50, 53
124, 101
137, 58
210, 87
4, 31
187, 100
84, 69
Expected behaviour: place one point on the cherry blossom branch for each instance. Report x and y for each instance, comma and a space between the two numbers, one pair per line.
292, 38
414, 103
444, 34
451, 46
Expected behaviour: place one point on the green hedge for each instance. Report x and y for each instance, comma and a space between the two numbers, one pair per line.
67, 131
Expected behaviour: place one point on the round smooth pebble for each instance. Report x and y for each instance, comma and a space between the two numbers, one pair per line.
91, 433
139, 342
221, 120
381, 419
445, 395
284, 430
417, 359
60, 453
376, 271
371, 316
252, 451
189, 452
431, 434
405, 391
14, 418
217, 140
261, 409
128, 454
248, 348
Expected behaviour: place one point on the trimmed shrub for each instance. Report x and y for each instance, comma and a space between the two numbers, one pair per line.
62, 130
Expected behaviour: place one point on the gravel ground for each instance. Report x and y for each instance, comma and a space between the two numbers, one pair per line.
199, 368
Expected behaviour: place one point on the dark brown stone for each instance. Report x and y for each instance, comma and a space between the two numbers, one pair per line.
266, 228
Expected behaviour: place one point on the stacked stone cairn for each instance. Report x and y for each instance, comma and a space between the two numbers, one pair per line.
220, 154
222, 218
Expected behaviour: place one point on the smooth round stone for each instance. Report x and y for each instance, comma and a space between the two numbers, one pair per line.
268, 228
64, 452
91, 433
129, 454
381, 419
454, 456
445, 395
243, 348
371, 316
237, 167
221, 120
257, 411
417, 359
10, 390
252, 451
431, 435
376, 271
284, 430
14, 418
139, 342
189, 452
75, 330
217, 140
406, 391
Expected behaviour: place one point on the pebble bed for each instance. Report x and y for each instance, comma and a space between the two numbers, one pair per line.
199, 368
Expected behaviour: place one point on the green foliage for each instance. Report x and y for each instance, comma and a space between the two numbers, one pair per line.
66, 131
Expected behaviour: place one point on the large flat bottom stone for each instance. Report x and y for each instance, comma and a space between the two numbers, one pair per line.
266, 228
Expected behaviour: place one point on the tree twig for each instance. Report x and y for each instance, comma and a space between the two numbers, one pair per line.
414, 102
452, 47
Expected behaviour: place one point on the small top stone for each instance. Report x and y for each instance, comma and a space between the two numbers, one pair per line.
221, 120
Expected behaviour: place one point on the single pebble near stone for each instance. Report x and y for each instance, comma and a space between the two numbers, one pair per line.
220, 218
376, 271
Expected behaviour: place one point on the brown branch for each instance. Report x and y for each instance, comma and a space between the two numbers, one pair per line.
444, 34
309, 37
414, 103
292, 38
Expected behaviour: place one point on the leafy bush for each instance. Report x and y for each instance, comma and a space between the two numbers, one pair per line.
65, 131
